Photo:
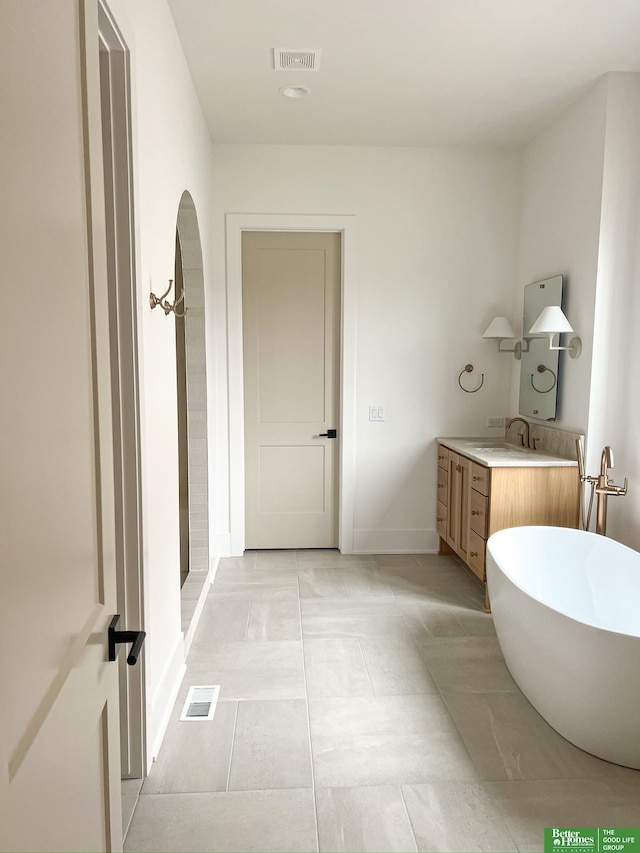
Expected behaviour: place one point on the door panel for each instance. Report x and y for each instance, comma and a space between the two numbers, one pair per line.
302, 490
59, 749
291, 304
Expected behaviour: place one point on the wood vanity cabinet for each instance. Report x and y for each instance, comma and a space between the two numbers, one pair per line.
475, 501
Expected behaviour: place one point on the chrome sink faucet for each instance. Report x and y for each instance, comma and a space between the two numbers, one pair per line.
525, 435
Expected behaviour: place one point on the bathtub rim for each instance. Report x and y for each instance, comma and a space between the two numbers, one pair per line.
572, 532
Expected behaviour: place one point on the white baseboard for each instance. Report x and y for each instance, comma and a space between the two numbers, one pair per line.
161, 706
222, 544
214, 562
193, 623
415, 541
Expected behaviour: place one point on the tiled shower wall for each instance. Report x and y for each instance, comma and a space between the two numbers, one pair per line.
196, 386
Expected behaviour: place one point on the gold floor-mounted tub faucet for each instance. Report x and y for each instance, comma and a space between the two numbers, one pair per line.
602, 486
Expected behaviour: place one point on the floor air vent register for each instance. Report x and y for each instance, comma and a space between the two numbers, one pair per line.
200, 704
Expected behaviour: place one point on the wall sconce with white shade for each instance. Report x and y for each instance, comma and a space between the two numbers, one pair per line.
500, 329
552, 321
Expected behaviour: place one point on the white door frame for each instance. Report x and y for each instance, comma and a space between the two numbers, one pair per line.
346, 227
120, 227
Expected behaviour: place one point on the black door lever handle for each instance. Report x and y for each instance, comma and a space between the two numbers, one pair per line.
332, 433
118, 637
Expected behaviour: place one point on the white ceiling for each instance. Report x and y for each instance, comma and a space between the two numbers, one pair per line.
401, 72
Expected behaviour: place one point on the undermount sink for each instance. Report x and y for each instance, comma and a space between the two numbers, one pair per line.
500, 447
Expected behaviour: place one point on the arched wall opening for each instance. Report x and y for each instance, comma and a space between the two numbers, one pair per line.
192, 409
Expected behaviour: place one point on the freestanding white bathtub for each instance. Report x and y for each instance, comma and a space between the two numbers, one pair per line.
566, 607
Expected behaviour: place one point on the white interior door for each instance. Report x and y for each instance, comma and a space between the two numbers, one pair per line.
291, 311
59, 729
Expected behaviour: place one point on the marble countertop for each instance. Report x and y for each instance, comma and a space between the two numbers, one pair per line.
498, 453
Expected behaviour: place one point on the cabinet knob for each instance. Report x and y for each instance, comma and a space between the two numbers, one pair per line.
458, 467
441, 485
475, 479
474, 553
474, 512
440, 520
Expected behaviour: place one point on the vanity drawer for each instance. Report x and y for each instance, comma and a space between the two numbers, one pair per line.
480, 478
441, 520
477, 549
443, 457
479, 513
443, 481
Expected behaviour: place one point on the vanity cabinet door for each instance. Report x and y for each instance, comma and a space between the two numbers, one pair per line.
443, 482
441, 520
458, 504
443, 457
477, 555
479, 478
479, 513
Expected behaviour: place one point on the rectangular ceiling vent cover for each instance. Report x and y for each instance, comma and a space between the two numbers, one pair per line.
296, 60
200, 704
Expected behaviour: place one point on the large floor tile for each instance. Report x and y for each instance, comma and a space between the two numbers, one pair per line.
331, 558
474, 622
246, 561
223, 621
194, 756
528, 807
508, 739
414, 582
396, 560
274, 620
429, 617
255, 584
467, 665
335, 668
344, 619
385, 740
448, 816
321, 582
395, 667
436, 562
286, 560
366, 582
271, 746
363, 819
501, 732
240, 821
273, 670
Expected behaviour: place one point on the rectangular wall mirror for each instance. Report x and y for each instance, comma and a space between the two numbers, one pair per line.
539, 365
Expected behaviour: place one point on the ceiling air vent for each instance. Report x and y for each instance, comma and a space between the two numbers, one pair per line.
200, 704
296, 60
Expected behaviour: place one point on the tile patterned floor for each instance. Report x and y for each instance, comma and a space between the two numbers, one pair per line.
364, 706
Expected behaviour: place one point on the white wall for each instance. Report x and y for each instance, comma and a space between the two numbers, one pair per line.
172, 153
559, 233
437, 237
614, 398
580, 217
